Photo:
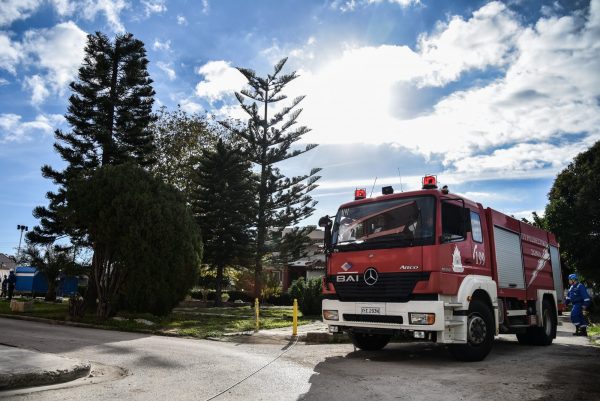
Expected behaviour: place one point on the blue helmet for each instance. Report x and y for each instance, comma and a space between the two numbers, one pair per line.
573, 276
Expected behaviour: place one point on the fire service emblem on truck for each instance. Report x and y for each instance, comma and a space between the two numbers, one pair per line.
457, 261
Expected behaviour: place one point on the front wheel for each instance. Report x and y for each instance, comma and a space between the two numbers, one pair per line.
480, 334
370, 342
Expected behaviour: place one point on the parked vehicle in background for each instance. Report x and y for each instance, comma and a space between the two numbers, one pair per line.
439, 267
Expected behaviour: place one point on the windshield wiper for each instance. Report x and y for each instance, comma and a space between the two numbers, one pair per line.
399, 238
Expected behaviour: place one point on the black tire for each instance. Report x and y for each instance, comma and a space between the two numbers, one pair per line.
480, 334
525, 338
547, 332
370, 342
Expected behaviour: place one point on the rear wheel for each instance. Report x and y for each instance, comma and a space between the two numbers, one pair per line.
544, 334
370, 342
525, 338
480, 334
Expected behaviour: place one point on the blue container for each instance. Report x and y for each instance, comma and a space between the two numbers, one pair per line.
30, 281
67, 286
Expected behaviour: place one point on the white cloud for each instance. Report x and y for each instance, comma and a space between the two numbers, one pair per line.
205, 6
3, 82
351, 5
110, 8
190, 106
167, 69
220, 80
154, 7
158, 45
522, 157
546, 88
37, 86
12, 129
64, 7
535, 108
58, 51
55, 53
13, 10
304, 53
10, 53
487, 39
181, 20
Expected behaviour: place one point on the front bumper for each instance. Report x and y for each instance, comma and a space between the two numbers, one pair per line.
394, 317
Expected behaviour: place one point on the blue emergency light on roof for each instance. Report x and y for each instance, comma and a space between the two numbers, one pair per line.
360, 193
430, 182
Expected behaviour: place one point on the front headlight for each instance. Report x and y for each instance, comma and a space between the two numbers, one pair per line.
330, 315
422, 318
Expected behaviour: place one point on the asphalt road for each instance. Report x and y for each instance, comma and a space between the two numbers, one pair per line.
141, 367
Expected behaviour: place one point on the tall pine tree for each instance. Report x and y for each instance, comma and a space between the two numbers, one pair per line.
109, 113
222, 203
281, 201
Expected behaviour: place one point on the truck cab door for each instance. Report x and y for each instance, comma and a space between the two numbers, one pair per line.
456, 224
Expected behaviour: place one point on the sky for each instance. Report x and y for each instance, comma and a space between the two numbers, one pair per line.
495, 98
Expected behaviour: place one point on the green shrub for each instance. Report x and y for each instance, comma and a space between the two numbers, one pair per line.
308, 294
241, 295
283, 299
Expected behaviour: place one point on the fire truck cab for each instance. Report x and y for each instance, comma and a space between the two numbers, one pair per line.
436, 266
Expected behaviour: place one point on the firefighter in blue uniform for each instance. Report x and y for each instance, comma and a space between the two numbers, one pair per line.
580, 299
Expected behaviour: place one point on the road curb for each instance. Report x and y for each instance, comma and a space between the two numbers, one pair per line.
52, 321
33, 369
76, 324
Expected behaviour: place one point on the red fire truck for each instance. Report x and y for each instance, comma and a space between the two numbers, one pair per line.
439, 267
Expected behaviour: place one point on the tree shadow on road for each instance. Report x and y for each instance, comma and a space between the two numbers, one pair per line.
414, 371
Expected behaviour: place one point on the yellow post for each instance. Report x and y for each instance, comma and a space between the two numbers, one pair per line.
256, 313
295, 319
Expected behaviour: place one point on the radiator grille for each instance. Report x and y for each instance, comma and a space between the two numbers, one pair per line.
390, 287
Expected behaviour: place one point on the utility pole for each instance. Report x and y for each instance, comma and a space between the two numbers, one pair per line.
21, 228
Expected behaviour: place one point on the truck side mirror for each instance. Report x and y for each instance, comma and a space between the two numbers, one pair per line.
325, 223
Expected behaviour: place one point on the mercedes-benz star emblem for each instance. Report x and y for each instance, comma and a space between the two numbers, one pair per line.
371, 276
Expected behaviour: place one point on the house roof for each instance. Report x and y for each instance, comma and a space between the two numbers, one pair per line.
315, 262
6, 263
26, 269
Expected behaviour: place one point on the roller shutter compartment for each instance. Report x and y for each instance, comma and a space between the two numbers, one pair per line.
509, 259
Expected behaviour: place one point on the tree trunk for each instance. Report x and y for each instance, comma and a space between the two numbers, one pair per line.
51, 293
91, 294
219, 285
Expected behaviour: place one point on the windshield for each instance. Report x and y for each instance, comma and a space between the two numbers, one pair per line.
396, 222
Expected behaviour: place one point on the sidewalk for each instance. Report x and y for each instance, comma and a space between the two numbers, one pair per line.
315, 332
23, 368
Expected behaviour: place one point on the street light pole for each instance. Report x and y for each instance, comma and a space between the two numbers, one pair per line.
21, 228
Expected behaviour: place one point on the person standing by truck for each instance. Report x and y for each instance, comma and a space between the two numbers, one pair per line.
580, 299
12, 281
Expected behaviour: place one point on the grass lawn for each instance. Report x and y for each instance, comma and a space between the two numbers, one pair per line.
594, 330
199, 322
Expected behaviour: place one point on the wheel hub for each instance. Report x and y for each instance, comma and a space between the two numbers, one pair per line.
477, 330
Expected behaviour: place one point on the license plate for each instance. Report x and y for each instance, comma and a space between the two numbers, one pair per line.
370, 311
